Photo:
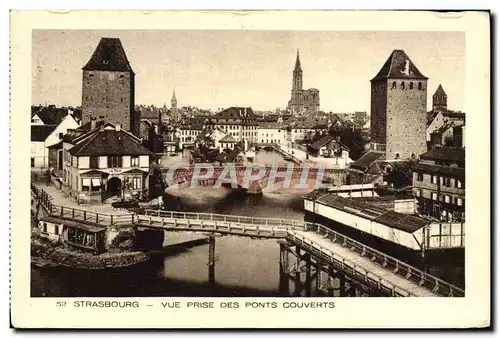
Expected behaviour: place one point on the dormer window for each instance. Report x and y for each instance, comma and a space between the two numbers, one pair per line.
105, 62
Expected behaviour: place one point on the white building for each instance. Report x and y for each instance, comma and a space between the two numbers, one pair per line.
271, 132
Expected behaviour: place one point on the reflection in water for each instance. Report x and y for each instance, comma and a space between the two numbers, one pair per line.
244, 266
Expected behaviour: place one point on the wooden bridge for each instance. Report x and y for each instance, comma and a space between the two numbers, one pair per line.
322, 249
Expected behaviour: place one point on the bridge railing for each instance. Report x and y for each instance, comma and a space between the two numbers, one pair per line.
271, 222
435, 284
93, 217
356, 271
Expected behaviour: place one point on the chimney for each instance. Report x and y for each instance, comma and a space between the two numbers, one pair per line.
118, 127
93, 123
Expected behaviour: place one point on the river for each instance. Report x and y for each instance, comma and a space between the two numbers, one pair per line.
244, 266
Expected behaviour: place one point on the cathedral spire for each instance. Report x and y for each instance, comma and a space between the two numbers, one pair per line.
297, 61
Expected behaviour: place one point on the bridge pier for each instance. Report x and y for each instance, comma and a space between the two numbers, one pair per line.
297, 272
318, 279
211, 260
307, 286
342, 284
284, 278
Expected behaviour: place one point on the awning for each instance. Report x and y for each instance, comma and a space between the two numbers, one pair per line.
86, 182
96, 182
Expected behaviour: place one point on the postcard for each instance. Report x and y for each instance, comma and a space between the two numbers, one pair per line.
252, 169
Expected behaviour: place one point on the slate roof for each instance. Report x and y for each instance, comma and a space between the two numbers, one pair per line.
87, 126
109, 142
454, 114
439, 91
392, 219
440, 169
324, 140
40, 133
52, 115
236, 113
227, 139
109, 56
395, 65
367, 159
451, 154
271, 125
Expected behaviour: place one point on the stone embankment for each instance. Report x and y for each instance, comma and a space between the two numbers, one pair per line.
46, 254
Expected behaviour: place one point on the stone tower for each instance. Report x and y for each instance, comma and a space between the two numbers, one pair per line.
297, 75
398, 108
439, 99
302, 100
108, 86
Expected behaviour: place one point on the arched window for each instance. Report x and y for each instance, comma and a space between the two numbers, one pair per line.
397, 156
420, 86
402, 85
411, 85
394, 85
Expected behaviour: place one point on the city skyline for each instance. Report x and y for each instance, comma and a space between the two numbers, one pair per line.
205, 67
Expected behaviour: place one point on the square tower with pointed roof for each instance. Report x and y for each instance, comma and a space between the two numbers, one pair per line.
399, 108
108, 86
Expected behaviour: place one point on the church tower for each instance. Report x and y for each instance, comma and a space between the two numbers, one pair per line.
398, 108
173, 102
439, 99
108, 86
297, 75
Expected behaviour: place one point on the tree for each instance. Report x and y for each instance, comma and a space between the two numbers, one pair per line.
351, 137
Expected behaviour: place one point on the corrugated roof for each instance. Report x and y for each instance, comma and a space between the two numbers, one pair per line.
109, 56
40, 133
109, 142
399, 66
392, 219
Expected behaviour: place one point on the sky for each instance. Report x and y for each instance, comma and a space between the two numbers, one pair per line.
214, 69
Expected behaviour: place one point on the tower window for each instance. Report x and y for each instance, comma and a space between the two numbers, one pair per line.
420, 86
394, 85
397, 154
411, 85
91, 75
402, 85
122, 76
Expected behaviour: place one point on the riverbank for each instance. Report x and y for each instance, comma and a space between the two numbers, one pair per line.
45, 254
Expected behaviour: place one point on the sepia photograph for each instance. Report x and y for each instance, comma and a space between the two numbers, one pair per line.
264, 165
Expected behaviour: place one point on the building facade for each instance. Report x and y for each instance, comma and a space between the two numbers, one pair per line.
271, 132
302, 101
439, 99
398, 108
439, 184
239, 122
108, 86
104, 162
